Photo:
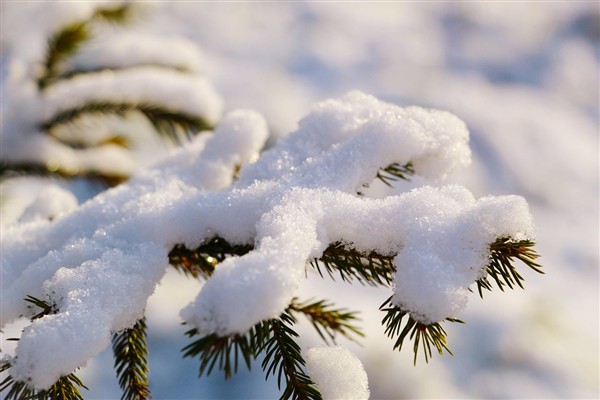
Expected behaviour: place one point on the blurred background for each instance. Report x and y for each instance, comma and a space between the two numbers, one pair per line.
524, 76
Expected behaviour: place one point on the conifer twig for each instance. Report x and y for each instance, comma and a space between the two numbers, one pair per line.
283, 357
69, 39
327, 321
395, 172
131, 361
227, 350
167, 122
372, 269
428, 335
501, 270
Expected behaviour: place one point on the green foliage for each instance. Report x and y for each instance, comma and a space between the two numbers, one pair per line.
212, 348
395, 172
131, 361
168, 122
428, 334
64, 43
327, 321
283, 358
503, 253
372, 269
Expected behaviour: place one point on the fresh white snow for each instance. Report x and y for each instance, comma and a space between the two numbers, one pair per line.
338, 373
289, 204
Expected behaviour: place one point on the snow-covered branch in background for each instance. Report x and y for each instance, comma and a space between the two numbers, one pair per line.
290, 205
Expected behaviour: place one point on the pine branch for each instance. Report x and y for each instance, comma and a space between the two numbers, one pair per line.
395, 172
14, 170
167, 122
328, 321
372, 269
501, 270
432, 335
120, 14
65, 388
201, 261
64, 43
226, 350
131, 361
283, 357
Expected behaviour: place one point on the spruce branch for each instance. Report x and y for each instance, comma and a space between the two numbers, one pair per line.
501, 270
201, 261
395, 172
428, 335
372, 269
14, 170
283, 357
64, 43
167, 122
327, 321
130, 351
226, 350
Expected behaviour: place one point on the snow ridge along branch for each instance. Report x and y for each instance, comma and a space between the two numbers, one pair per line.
298, 199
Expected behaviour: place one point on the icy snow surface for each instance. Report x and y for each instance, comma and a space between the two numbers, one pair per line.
338, 373
299, 197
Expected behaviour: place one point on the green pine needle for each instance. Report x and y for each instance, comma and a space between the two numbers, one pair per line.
119, 15
429, 336
284, 359
66, 42
500, 270
62, 45
328, 321
395, 172
46, 308
15, 170
226, 352
130, 351
170, 123
372, 269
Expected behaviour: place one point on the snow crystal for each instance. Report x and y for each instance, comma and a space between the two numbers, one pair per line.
338, 373
292, 203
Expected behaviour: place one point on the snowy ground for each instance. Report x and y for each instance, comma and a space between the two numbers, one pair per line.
524, 77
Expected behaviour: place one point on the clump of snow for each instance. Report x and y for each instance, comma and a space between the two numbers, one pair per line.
49, 202
338, 373
294, 201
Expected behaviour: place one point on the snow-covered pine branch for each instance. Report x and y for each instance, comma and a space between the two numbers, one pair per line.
91, 102
297, 199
